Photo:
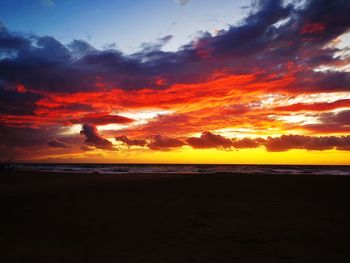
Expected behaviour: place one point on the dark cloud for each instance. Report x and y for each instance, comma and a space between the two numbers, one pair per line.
246, 143
331, 122
17, 103
23, 142
11, 43
209, 140
26, 137
80, 48
272, 144
131, 142
254, 35
310, 81
339, 118
160, 142
93, 138
154, 46
287, 142
56, 143
43, 63
183, 2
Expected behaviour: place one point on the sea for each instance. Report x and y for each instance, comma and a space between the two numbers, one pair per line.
186, 169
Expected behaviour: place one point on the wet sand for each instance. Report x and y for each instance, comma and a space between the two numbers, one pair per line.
157, 218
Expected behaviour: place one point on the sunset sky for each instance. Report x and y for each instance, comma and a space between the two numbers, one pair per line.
166, 81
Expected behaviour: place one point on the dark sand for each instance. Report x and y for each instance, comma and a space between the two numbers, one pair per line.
202, 218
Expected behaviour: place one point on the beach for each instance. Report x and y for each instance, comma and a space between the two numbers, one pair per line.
65, 217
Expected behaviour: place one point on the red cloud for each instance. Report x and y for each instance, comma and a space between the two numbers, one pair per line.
313, 28
98, 119
324, 106
21, 88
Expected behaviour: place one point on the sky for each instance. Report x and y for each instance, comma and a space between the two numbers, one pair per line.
122, 24
167, 81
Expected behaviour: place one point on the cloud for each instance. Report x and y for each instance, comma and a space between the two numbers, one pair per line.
131, 142
157, 142
24, 143
272, 144
17, 103
338, 118
15, 137
154, 47
322, 106
331, 122
287, 142
55, 143
209, 140
247, 143
160, 142
313, 28
45, 64
80, 48
102, 119
94, 139
215, 81
183, 2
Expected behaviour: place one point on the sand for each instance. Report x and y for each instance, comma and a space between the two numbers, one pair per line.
156, 218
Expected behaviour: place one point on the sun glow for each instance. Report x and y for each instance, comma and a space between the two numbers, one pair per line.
301, 119
142, 117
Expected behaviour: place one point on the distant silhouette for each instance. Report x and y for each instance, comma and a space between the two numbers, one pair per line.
7, 166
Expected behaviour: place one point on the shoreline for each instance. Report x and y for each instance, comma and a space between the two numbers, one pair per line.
55, 217
35, 173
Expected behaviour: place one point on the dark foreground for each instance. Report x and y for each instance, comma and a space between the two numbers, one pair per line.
202, 218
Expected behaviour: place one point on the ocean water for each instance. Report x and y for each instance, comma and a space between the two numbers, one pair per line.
187, 169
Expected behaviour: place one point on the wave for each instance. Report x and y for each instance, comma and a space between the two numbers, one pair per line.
186, 169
